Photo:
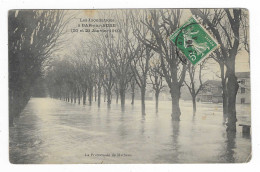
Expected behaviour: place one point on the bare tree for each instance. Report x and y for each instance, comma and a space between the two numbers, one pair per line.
140, 68
225, 26
245, 30
96, 51
132, 85
142, 55
161, 24
109, 75
91, 79
116, 89
100, 77
81, 59
218, 57
109, 82
193, 87
89, 62
118, 55
156, 78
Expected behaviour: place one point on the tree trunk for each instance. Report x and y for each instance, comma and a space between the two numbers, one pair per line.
71, 97
11, 120
143, 100
109, 97
99, 95
84, 97
224, 89
79, 96
156, 100
133, 91
11, 108
90, 94
17, 102
194, 104
117, 96
232, 88
176, 112
122, 97
133, 97
95, 92
75, 97
105, 94
225, 105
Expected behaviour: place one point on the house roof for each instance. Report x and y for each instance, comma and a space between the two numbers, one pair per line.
213, 82
243, 74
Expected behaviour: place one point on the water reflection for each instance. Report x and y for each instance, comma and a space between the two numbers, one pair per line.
172, 151
54, 131
143, 118
193, 118
122, 126
142, 128
123, 109
26, 142
230, 145
175, 143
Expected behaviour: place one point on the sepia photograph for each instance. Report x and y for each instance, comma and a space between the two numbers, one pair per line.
129, 86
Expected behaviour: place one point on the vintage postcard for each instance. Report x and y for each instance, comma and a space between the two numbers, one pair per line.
129, 86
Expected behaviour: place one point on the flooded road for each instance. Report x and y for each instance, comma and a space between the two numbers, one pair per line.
54, 131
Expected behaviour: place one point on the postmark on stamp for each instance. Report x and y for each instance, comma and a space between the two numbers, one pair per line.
194, 41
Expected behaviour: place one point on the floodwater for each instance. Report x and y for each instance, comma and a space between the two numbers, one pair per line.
54, 131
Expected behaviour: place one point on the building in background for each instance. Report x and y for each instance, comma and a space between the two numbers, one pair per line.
211, 92
243, 93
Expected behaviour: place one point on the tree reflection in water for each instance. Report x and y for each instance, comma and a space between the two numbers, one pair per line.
175, 143
230, 143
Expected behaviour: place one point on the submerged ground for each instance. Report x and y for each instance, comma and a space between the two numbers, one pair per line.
54, 131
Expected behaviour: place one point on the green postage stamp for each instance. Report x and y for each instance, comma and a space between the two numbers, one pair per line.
194, 41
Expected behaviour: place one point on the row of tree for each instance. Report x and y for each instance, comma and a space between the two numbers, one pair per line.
32, 38
142, 49
115, 60
86, 75
139, 54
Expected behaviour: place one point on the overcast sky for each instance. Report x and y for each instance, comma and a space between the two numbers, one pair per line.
242, 61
